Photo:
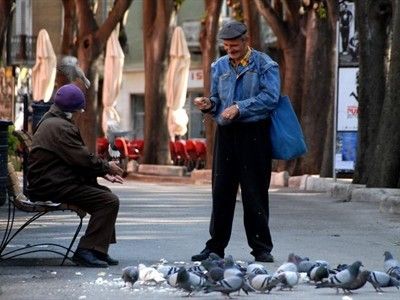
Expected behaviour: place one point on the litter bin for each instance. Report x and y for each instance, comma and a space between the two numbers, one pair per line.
39, 108
3, 159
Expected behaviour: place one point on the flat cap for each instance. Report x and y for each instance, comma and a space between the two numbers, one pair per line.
232, 30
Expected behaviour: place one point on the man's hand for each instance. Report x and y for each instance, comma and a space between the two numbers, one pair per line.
230, 112
115, 169
202, 103
114, 178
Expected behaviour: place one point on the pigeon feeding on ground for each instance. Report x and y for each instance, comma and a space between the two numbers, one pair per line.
391, 265
288, 279
228, 285
130, 275
318, 273
381, 280
190, 282
263, 282
343, 279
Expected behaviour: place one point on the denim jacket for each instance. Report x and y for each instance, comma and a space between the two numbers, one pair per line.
255, 88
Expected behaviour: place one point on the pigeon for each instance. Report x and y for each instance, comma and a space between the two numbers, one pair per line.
288, 279
263, 282
150, 275
256, 269
130, 274
391, 265
380, 280
199, 270
359, 282
214, 271
227, 285
288, 266
190, 282
303, 264
231, 269
318, 273
343, 279
172, 280
166, 270
69, 66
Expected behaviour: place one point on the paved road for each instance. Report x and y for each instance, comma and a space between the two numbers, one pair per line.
167, 222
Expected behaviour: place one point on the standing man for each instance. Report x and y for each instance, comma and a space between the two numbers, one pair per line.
61, 169
245, 87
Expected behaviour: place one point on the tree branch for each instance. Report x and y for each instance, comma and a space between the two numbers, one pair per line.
115, 16
274, 21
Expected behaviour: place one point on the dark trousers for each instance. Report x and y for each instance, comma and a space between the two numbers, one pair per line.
102, 205
242, 155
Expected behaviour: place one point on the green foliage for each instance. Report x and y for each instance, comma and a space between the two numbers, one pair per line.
13, 145
13, 142
321, 11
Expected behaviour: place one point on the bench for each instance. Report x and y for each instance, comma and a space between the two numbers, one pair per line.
18, 201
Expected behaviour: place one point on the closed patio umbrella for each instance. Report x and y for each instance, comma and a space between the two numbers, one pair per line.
44, 71
113, 67
176, 83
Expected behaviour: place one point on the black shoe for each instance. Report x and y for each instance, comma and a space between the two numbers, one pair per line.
202, 255
85, 257
264, 257
105, 257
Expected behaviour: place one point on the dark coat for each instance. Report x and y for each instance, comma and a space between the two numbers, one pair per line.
59, 158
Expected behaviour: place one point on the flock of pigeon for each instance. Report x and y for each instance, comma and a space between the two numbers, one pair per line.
227, 276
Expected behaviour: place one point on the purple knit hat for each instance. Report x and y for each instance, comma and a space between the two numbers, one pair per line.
69, 98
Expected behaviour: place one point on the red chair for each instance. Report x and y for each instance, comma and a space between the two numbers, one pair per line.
192, 153
135, 149
201, 148
122, 146
182, 156
102, 147
172, 151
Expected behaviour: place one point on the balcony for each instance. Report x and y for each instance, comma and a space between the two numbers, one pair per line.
23, 50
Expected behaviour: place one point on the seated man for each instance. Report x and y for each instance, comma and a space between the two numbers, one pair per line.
61, 169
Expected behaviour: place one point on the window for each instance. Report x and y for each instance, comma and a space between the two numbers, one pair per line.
137, 113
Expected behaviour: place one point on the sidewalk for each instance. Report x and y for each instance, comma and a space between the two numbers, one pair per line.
168, 222
388, 200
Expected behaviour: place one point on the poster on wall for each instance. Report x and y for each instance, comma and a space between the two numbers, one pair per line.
348, 46
347, 112
346, 148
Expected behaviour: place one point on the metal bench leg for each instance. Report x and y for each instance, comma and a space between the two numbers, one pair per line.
73, 240
9, 226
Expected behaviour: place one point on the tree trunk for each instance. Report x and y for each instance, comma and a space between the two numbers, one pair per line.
90, 44
252, 21
5, 16
208, 42
156, 21
307, 42
386, 171
318, 95
291, 40
69, 30
373, 19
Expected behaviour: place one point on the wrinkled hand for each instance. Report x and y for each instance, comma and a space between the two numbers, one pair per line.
115, 169
114, 178
202, 103
230, 112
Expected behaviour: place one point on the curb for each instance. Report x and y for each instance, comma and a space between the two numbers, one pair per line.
342, 189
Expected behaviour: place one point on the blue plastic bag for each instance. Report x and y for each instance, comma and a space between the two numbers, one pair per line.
286, 135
